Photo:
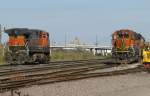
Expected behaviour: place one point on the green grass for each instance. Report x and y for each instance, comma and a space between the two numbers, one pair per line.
72, 55
63, 55
1, 55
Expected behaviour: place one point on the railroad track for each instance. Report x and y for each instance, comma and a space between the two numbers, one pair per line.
50, 74
53, 65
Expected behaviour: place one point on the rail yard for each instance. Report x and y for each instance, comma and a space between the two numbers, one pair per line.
26, 75
74, 48
28, 60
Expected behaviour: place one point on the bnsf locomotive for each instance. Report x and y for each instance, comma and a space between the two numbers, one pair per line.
126, 45
27, 46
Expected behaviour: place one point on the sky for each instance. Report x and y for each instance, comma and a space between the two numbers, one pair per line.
78, 18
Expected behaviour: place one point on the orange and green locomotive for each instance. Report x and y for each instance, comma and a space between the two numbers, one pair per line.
27, 46
127, 45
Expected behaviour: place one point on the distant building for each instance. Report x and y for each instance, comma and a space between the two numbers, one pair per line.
76, 41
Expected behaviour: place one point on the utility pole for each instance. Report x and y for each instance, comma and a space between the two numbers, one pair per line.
0, 34
65, 39
96, 43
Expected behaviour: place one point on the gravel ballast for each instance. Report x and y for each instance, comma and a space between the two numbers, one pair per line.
124, 85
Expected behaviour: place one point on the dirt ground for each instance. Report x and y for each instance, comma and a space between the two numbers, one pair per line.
124, 85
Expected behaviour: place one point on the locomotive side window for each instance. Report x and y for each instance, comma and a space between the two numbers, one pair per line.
114, 37
14, 33
34, 36
44, 35
139, 36
40, 35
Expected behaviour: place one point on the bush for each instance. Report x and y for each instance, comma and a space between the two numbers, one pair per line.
58, 55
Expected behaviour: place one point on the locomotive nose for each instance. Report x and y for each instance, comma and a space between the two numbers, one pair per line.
120, 44
123, 45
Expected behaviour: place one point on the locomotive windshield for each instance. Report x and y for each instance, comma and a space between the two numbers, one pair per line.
126, 35
123, 34
120, 34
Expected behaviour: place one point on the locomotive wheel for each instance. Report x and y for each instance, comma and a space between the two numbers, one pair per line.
22, 57
8, 57
33, 58
43, 59
40, 58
